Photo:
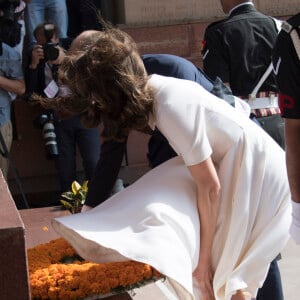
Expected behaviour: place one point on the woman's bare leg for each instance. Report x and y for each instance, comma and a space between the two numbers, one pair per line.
240, 295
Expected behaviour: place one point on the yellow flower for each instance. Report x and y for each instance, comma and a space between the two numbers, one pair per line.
74, 199
76, 187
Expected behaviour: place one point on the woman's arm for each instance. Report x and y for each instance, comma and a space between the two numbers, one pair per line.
208, 187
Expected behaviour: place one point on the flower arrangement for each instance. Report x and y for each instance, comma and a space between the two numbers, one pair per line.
74, 199
57, 272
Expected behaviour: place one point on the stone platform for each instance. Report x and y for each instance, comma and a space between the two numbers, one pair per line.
20, 230
13, 262
38, 230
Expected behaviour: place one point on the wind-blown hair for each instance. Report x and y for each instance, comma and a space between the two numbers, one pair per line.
108, 83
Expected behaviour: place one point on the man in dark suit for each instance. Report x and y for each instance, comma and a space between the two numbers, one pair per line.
238, 50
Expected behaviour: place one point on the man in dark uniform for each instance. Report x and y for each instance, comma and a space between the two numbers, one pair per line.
286, 65
238, 50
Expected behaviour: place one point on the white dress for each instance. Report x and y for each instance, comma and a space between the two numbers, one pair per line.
155, 220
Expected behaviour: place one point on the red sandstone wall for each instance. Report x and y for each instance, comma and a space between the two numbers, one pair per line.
183, 40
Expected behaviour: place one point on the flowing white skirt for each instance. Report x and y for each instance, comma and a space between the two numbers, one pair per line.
155, 221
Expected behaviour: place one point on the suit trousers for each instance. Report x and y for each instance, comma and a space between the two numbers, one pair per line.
274, 126
70, 135
272, 287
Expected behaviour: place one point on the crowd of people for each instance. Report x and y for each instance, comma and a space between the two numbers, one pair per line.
222, 198
34, 59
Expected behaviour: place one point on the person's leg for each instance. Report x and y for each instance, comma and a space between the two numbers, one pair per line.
88, 141
74, 18
89, 15
6, 131
66, 161
272, 287
58, 14
34, 15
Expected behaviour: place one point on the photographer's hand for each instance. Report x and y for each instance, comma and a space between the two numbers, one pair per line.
37, 55
16, 86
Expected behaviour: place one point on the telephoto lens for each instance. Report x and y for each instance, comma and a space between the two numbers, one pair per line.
50, 137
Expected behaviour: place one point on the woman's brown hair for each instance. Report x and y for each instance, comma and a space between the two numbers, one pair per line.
108, 83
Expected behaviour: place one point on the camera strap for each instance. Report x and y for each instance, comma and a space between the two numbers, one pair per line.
54, 69
3, 148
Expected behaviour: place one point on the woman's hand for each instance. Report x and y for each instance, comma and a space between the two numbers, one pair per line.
204, 276
85, 208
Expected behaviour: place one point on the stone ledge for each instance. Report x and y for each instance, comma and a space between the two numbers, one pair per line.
13, 260
38, 230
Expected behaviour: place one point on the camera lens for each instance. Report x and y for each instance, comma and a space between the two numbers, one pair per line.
50, 139
7, 12
50, 51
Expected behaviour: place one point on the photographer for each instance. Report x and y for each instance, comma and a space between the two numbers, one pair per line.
11, 77
41, 78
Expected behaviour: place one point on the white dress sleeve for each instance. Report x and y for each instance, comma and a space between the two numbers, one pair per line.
181, 118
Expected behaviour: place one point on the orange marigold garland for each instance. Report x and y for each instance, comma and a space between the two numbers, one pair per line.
53, 277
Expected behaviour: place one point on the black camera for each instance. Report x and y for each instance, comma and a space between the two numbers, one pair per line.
10, 29
50, 50
7, 10
46, 122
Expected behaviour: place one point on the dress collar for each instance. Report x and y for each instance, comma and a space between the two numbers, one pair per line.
245, 5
